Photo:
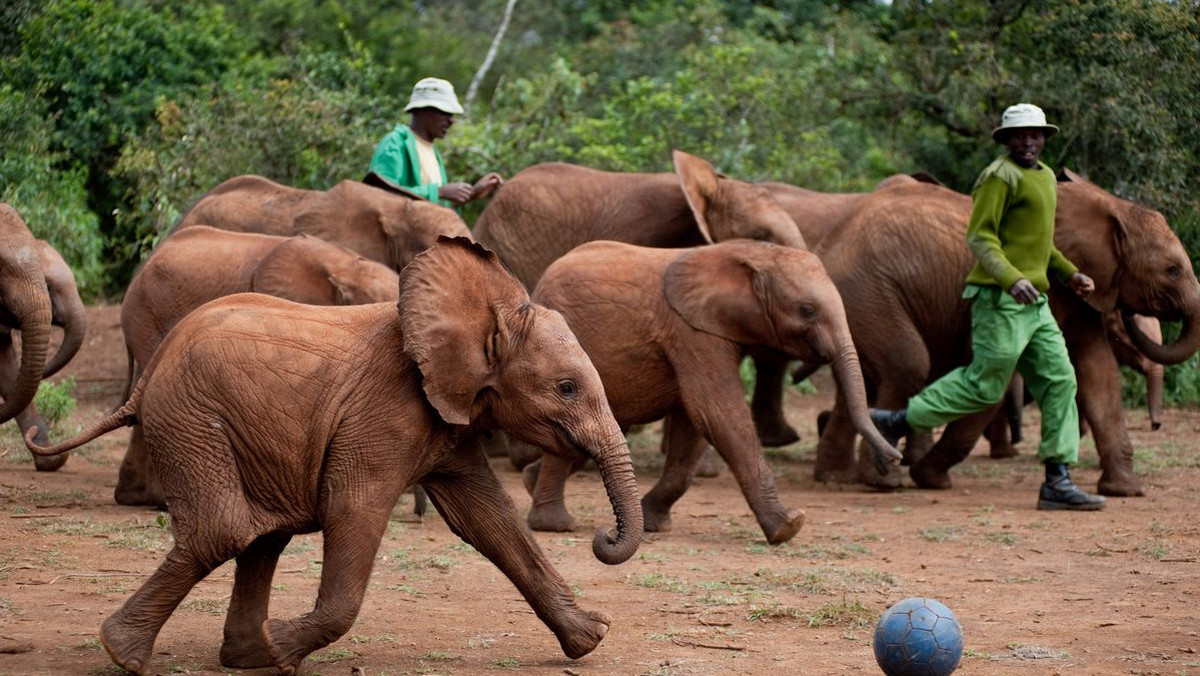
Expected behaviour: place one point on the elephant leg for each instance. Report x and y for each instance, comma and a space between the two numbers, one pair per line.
835, 447
712, 397
549, 480
137, 481
916, 446
956, 443
1099, 381
352, 534
772, 427
243, 646
128, 635
890, 395
478, 509
710, 463
684, 447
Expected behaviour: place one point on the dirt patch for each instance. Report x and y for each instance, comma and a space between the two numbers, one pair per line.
1113, 592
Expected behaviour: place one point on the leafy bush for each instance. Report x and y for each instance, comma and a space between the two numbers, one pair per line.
54, 401
52, 201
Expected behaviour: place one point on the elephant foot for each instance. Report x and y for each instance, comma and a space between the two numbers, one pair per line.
1004, 452
245, 653
43, 463
655, 518
776, 433
128, 647
869, 475
286, 654
550, 518
1124, 484
581, 636
841, 475
791, 525
710, 464
928, 477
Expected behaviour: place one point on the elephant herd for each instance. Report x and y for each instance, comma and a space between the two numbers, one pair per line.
299, 358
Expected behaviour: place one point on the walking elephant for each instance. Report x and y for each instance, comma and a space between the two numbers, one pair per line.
37, 291
667, 329
1138, 264
200, 264
370, 221
269, 418
546, 210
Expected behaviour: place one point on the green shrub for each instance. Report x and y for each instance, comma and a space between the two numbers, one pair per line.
54, 400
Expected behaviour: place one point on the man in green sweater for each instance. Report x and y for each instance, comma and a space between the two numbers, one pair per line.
1011, 234
407, 158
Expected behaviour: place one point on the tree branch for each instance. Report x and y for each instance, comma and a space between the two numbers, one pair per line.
491, 54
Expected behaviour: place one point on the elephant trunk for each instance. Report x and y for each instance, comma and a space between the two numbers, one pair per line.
71, 315
848, 373
1174, 353
616, 469
30, 306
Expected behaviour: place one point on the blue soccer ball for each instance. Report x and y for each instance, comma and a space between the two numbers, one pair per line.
918, 637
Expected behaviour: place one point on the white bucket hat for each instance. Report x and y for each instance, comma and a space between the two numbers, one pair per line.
433, 92
1023, 116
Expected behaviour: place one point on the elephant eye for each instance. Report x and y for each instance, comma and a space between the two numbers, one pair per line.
807, 311
1173, 271
567, 389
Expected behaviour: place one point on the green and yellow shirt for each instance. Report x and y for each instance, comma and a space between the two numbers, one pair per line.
1011, 232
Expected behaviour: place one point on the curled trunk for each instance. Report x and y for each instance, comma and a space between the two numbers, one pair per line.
1174, 353
848, 372
616, 469
1154, 394
69, 313
30, 306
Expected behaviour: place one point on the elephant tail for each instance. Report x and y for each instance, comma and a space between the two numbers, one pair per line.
124, 416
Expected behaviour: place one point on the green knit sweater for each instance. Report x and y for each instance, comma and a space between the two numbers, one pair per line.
1011, 232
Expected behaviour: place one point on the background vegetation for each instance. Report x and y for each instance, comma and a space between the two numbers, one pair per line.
116, 115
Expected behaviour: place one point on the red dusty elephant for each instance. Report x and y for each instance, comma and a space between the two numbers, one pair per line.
372, 222
667, 329
200, 264
269, 418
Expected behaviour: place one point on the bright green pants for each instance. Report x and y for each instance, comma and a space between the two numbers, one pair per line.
1008, 336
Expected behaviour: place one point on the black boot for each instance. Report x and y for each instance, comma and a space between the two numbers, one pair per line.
891, 424
1059, 492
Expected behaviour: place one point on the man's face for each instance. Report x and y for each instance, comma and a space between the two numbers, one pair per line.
1025, 145
435, 122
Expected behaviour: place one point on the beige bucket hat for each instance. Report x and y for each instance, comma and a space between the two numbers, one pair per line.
1023, 116
433, 92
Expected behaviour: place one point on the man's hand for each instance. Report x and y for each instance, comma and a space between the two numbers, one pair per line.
1082, 285
455, 193
486, 185
1024, 292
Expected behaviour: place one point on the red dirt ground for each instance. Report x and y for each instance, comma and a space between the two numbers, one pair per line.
1113, 592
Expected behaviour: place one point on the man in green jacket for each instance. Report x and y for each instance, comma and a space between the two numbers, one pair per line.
1011, 234
407, 158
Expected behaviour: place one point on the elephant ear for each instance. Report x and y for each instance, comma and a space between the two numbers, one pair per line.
721, 289
454, 298
699, 182
1090, 233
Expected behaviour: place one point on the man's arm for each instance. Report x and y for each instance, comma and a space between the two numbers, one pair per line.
983, 232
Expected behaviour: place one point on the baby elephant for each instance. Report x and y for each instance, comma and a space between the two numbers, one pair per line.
667, 330
200, 264
268, 418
